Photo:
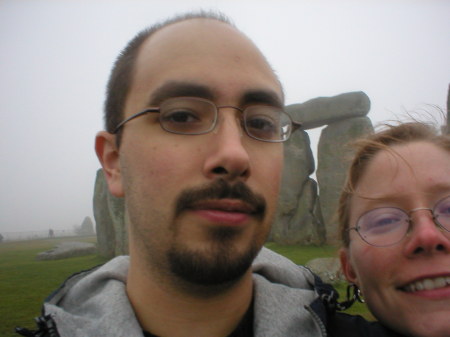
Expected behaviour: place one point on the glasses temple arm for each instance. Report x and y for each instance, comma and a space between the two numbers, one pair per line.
133, 117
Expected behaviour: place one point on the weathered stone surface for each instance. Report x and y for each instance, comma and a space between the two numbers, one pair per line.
448, 110
334, 154
68, 249
298, 219
329, 269
322, 111
86, 228
112, 237
103, 222
117, 212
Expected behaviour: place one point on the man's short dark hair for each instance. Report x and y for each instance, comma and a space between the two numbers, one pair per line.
121, 75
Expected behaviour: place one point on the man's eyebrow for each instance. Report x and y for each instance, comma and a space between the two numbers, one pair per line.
179, 89
261, 97
182, 89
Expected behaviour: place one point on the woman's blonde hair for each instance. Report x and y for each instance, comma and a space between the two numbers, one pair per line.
368, 147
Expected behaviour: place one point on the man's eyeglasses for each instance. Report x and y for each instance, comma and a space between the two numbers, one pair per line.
197, 116
386, 226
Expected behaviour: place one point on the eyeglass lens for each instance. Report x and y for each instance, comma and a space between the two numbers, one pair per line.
189, 115
388, 225
442, 213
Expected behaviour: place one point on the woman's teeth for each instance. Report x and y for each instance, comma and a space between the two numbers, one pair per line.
428, 284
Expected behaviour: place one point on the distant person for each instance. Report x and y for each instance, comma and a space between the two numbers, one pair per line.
395, 224
1, 238
51, 234
193, 141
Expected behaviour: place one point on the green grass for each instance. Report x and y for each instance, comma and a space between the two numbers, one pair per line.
26, 282
302, 254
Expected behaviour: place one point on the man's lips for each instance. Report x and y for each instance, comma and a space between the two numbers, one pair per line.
224, 211
427, 283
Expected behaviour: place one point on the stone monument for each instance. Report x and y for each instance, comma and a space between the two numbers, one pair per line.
448, 110
109, 213
344, 118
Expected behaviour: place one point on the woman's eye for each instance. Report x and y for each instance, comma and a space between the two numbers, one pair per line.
386, 222
383, 222
444, 209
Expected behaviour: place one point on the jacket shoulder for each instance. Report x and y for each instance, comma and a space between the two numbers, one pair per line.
342, 324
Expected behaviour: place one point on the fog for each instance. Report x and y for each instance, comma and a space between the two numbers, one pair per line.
56, 56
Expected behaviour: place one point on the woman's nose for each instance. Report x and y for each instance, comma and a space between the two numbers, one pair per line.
426, 237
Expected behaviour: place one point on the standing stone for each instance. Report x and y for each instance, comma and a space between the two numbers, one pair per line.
334, 154
448, 111
103, 222
117, 212
306, 226
342, 113
86, 228
296, 221
112, 237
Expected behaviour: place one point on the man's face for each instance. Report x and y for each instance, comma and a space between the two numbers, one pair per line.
200, 207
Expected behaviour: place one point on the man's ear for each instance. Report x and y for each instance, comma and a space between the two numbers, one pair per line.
108, 155
347, 267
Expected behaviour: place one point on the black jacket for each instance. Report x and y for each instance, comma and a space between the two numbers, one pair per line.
339, 324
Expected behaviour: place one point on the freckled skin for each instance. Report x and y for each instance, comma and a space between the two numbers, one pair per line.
411, 176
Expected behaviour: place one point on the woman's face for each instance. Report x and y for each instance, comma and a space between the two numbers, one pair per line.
416, 175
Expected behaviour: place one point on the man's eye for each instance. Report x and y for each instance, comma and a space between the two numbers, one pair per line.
181, 116
263, 123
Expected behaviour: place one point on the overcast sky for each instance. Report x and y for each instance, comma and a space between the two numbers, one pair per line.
56, 56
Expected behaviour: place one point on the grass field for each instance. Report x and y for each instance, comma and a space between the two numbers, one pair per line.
26, 282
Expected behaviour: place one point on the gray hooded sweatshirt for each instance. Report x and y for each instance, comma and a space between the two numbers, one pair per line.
95, 303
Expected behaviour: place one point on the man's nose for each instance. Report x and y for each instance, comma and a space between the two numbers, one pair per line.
426, 237
228, 157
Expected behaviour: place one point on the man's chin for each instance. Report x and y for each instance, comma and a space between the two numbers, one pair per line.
217, 266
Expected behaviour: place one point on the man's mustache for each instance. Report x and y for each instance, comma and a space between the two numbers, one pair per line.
221, 189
